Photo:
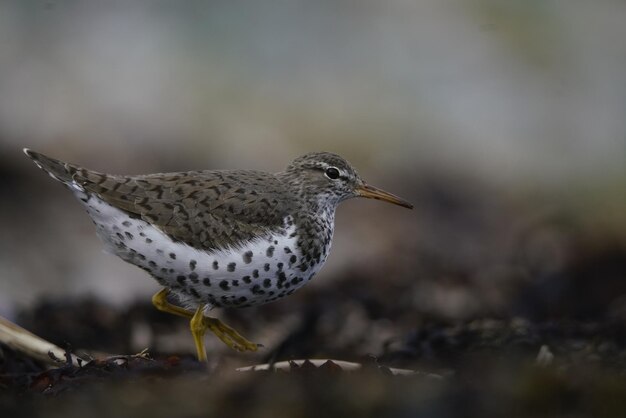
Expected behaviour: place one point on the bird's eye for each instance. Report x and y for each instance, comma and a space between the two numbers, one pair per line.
332, 173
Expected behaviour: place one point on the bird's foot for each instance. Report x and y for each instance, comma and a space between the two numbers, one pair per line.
229, 336
200, 323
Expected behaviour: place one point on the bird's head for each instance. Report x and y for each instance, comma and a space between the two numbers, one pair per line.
329, 177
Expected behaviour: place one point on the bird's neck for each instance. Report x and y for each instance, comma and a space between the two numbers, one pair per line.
319, 205
315, 226
314, 213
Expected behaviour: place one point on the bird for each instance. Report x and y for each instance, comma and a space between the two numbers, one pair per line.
219, 238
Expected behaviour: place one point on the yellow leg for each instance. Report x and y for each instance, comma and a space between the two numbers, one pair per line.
159, 300
200, 323
198, 327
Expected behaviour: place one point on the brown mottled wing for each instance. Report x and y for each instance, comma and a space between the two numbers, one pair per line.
205, 209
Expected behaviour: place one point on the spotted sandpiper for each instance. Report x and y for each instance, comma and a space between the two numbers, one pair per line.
219, 238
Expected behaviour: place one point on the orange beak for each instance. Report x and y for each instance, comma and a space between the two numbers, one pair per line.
371, 192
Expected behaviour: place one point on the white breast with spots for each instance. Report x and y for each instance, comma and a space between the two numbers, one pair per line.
257, 272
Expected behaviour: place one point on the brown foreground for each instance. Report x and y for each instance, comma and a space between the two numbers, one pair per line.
480, 368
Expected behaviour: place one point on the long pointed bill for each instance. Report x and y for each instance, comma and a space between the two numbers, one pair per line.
372, 192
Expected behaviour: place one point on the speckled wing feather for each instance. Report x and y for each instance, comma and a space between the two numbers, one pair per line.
204, 209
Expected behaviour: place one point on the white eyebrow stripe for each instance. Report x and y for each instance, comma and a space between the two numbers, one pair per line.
323, 165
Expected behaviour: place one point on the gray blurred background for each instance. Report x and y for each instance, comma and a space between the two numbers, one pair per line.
503, 121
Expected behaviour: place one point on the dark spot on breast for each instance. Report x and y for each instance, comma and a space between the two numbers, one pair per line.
173, 256
181, 279
266, 267
255, 273
148, 241
293, 259
224, 285
193, 277
270, 251
151, 263
207, 282
242, 299
215, 265
247, 257
231, 267
280, 266
246, 279
287, 250
120, 236
126, 224
160, 252
235, 283
128, 235
267, 283
192, 264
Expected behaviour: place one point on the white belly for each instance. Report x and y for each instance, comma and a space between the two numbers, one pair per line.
257, 272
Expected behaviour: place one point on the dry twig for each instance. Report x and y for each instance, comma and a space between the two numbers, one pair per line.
28, 343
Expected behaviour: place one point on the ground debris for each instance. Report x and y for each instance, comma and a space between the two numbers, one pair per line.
68, 377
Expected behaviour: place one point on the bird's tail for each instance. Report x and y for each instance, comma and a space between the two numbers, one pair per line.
58, 170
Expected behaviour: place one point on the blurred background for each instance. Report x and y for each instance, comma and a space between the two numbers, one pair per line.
503, 121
